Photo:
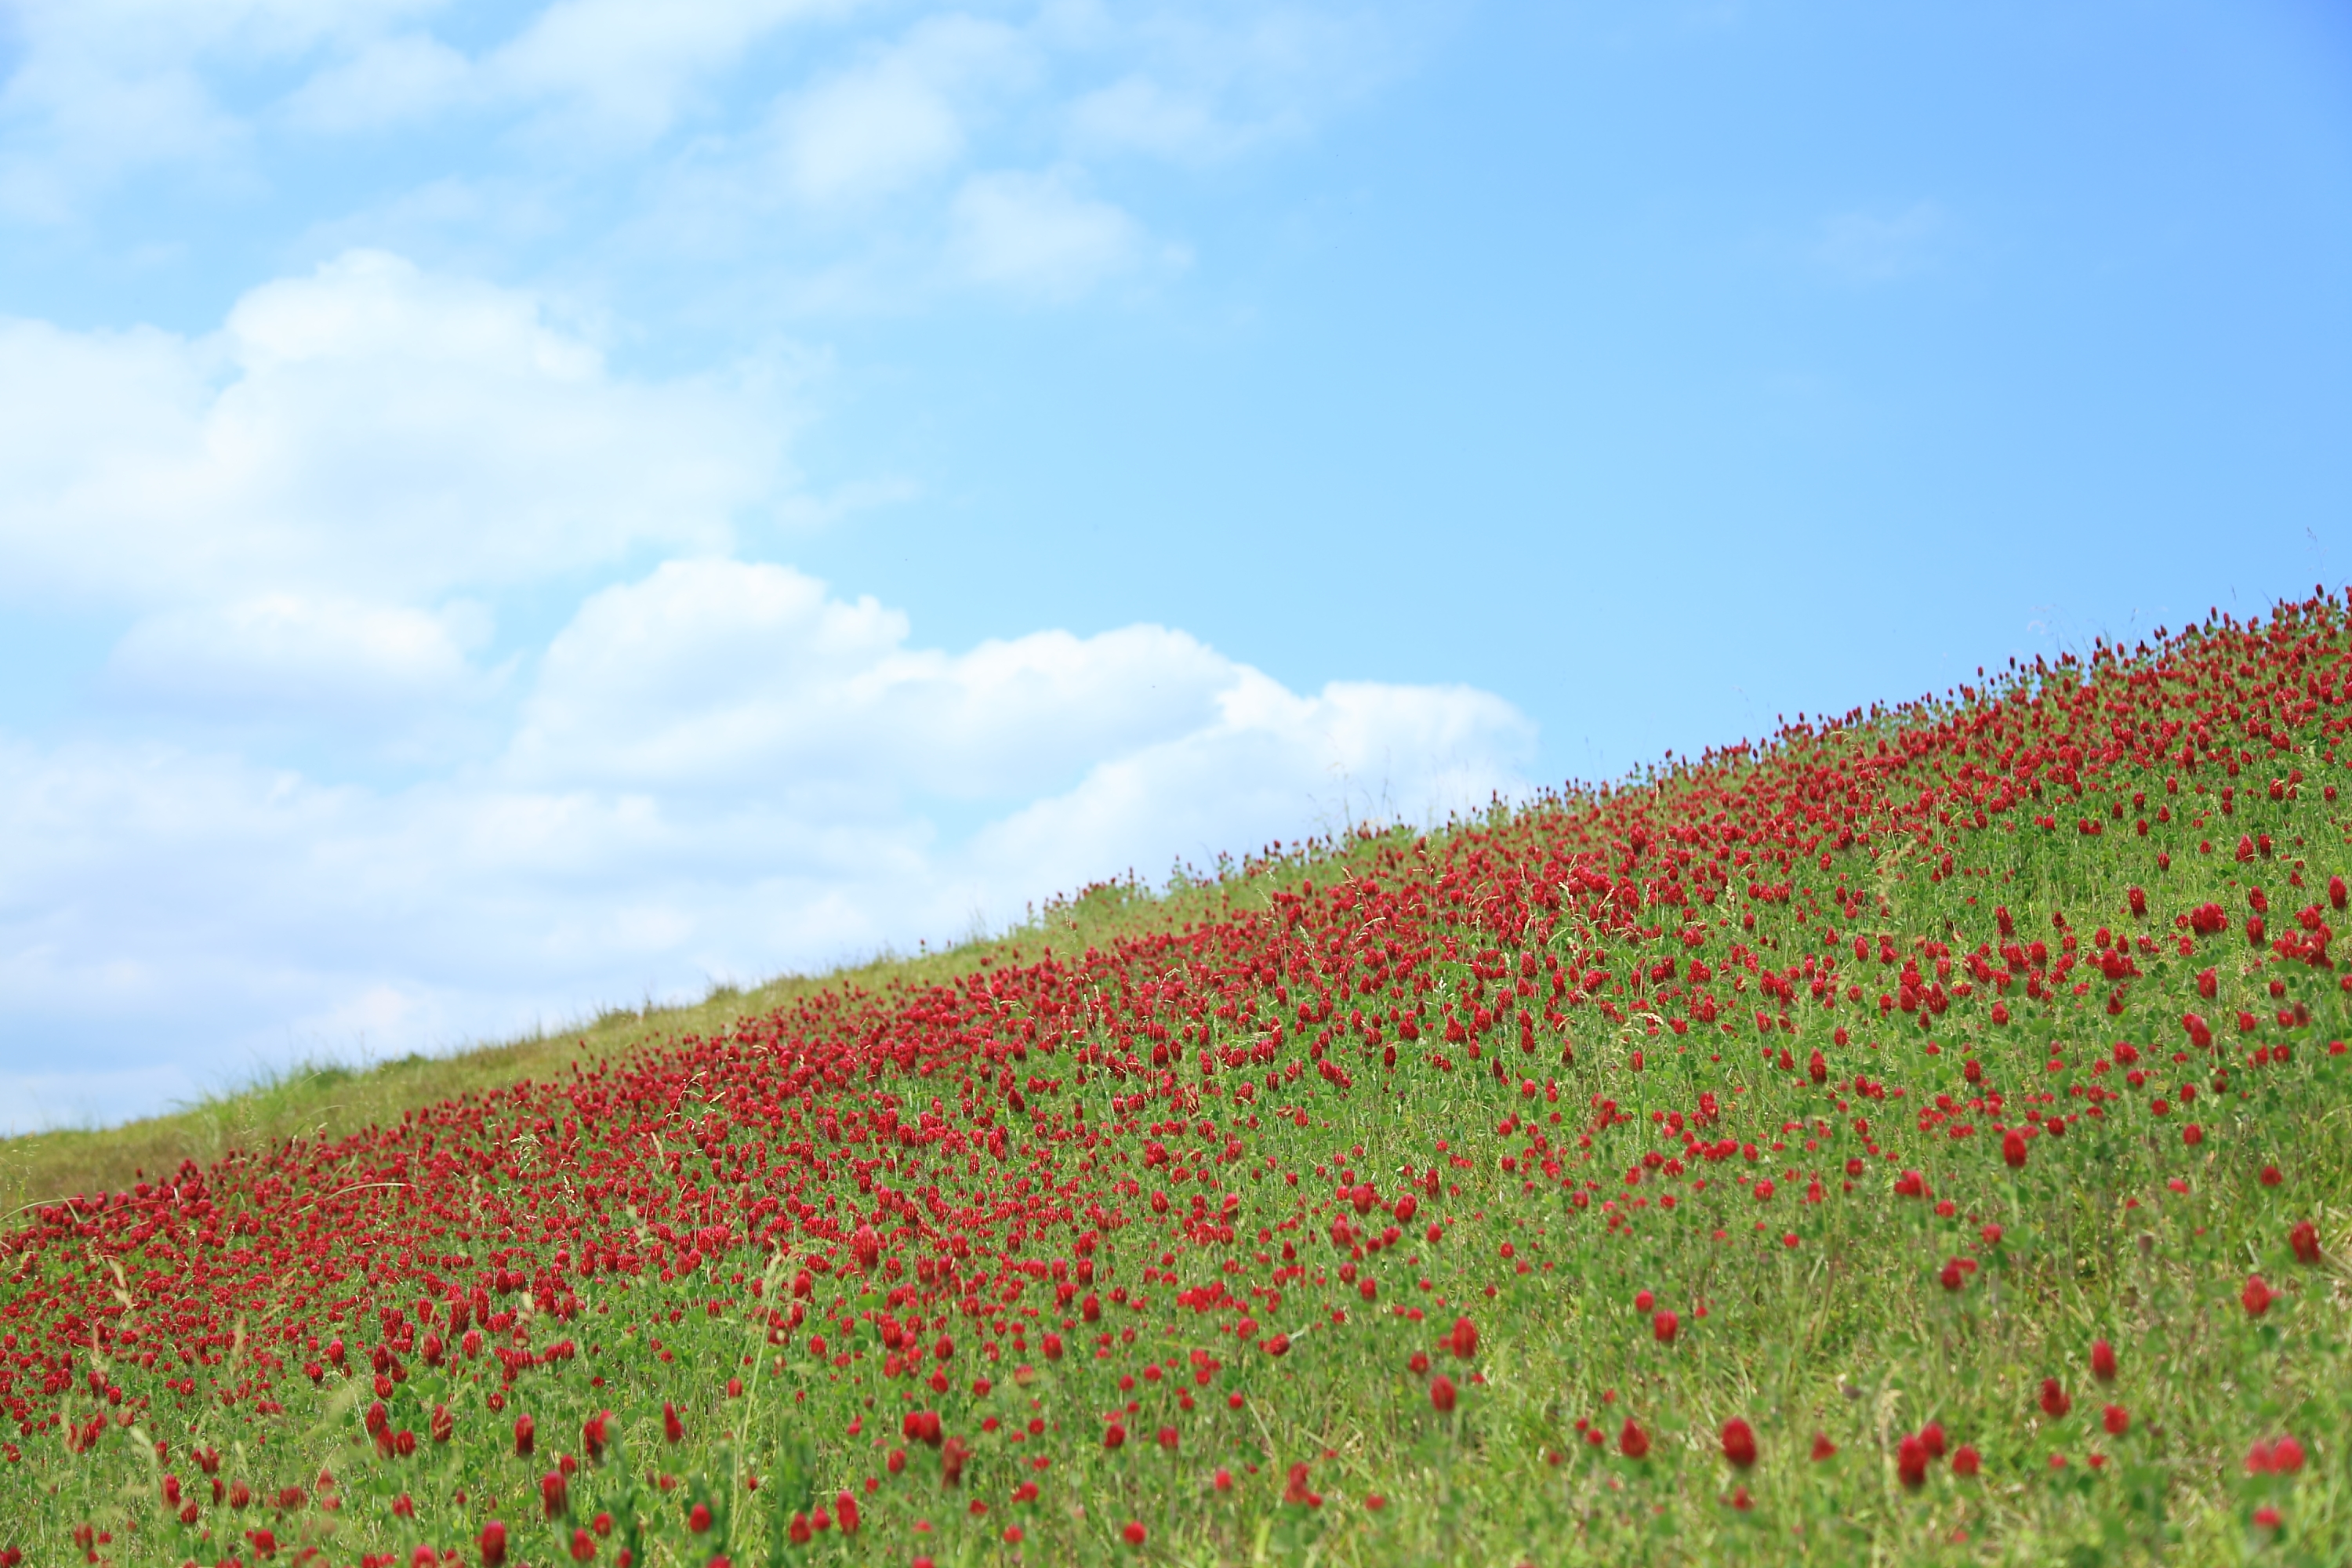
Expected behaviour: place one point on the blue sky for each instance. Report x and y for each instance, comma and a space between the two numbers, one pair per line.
505, 509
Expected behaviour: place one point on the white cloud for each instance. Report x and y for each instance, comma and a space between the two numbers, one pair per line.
391, 81
1209, 82
899, 116
718, 675
1270, 761
371, 429
821, 164
308, 655
631, 67
1871, 248
1033, 234
723, 770
106, 87
1138, 114
63, 130
868, 134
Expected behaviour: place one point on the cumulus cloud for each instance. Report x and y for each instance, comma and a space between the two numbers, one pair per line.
715, 681
719, 674
371, 424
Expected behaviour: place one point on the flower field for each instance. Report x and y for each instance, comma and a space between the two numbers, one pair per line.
1925, 1136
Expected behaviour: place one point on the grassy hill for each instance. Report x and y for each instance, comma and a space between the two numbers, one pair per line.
333, 1100
1920, 1138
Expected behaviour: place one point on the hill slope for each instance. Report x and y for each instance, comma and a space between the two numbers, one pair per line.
1919, 1137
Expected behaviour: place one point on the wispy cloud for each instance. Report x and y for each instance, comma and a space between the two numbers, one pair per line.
102, 88
855, 159
1877, 247
314, 658
390, 82
1206, 84
621, 70
899, 115
1037, 234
